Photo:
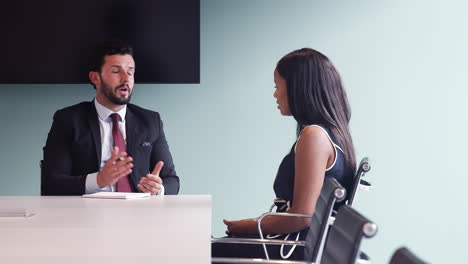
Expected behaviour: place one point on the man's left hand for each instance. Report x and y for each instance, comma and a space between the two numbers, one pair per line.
152, 183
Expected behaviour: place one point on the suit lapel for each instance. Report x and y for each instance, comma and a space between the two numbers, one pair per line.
94, 127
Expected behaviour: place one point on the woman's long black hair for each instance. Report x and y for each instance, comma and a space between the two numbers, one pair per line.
316, 96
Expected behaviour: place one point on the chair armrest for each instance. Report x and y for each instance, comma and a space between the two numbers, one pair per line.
362, 261
364, 185
259, 224
260, 219
262, 240
257, 241
363, 258
256, 261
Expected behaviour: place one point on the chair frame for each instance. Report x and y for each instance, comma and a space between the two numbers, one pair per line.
363, 168
339, 194
368, 230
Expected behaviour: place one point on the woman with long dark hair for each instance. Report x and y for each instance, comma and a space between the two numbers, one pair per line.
307, 87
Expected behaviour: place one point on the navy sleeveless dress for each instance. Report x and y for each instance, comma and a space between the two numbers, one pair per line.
284, 190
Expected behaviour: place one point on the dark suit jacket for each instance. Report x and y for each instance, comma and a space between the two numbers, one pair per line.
73, 149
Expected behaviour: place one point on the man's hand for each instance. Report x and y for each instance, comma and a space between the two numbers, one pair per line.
119, 165
152, 182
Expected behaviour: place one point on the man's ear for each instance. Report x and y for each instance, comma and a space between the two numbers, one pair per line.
94, 78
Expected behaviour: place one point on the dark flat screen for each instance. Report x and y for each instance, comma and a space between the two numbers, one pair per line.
50, 41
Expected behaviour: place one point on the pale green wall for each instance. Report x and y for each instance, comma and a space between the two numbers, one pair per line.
403, 63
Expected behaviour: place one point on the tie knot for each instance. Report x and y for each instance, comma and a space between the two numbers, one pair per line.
115, 118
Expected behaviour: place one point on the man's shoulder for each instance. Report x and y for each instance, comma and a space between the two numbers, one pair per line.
141, 111
144, 117
77, 109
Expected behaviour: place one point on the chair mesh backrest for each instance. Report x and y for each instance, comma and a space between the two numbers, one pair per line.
329, 194
405, 256
362, 169
344, 238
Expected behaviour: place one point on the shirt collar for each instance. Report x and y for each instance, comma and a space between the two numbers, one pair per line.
104, 113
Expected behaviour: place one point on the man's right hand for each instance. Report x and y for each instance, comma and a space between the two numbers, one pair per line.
119, 165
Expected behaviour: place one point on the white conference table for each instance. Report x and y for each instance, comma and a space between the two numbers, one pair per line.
72, 229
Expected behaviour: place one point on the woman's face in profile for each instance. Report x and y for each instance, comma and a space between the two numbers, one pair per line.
281, 94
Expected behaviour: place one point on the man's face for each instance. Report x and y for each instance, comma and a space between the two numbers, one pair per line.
116, 79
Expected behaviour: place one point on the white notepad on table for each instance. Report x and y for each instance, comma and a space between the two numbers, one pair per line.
117, 195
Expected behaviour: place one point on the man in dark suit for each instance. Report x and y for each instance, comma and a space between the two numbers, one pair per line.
108, 144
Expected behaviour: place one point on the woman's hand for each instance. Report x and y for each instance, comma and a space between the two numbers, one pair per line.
241, 228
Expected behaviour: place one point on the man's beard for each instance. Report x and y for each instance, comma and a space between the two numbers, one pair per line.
111, 94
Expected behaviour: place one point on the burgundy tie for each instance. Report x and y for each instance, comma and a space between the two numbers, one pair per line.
123, 185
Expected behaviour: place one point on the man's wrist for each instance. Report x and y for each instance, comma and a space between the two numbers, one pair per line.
92, 184
99, 180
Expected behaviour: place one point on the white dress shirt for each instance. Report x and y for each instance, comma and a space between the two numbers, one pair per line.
107, 141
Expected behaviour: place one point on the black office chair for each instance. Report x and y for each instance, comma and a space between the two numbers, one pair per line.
363, 168
344, 241
331, 192
404, 256
358, 183
342, 246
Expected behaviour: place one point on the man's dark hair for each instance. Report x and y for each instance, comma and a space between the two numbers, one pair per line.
111, 47
107, 48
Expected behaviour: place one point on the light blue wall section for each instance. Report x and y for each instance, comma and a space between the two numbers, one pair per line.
403, 63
